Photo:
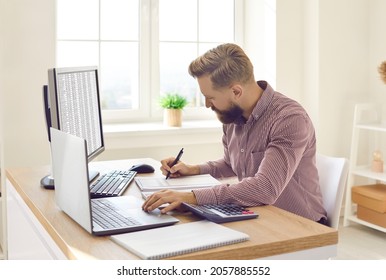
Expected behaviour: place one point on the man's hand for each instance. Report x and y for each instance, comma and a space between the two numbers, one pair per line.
179, 169
174, 198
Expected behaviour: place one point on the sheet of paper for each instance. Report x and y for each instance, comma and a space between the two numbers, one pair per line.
184, 182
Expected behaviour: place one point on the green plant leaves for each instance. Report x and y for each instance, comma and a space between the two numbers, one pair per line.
173, 101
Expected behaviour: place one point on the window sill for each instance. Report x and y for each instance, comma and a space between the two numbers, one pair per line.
139, 135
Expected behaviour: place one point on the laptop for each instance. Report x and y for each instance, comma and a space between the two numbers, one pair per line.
98, 216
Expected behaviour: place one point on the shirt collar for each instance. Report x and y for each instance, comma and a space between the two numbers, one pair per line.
263, 102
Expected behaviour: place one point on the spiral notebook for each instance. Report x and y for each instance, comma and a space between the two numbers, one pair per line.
159, 243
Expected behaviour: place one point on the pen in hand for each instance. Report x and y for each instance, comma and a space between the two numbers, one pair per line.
175, 161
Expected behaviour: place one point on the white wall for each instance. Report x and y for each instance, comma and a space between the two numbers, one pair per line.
289, 48
327, 53
28, 51
260, 38
377, 48
343, 70
1, 92
324, 57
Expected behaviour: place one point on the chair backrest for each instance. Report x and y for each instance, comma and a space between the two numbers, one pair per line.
333, 174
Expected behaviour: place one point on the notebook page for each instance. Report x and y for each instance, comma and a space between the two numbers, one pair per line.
183, 182
179, 239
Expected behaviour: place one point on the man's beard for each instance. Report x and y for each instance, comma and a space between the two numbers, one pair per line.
229, 115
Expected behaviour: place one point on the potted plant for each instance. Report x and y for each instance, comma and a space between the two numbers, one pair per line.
173, 103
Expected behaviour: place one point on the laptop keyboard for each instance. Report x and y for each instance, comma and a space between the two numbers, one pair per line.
111, 184
107, 216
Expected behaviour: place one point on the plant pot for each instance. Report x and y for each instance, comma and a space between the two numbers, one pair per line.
173, 117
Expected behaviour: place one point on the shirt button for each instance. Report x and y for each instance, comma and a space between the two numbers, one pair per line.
242, 150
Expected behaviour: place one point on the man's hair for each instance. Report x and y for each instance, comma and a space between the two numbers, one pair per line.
225, 64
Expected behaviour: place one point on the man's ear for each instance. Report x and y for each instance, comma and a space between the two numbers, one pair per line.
237, 90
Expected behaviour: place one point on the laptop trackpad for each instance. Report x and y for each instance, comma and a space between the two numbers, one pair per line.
131, 207
126, 202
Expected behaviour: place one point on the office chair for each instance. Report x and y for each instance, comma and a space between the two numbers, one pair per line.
333, 174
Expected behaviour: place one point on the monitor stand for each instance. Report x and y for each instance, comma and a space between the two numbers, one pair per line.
48, 181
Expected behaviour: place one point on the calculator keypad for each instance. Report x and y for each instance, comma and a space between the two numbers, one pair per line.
227, 209
222, 212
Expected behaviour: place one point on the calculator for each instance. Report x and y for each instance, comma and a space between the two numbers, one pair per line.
221, 213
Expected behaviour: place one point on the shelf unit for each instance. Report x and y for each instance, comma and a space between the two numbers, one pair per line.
369, 132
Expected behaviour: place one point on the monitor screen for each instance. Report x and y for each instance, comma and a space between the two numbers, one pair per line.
75, 105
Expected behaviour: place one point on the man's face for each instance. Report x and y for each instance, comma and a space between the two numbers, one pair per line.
219, 101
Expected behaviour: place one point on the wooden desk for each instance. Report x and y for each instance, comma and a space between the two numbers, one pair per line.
275, 233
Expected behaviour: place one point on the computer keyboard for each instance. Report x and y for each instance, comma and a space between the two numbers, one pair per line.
113, 183
104, 214
221, 213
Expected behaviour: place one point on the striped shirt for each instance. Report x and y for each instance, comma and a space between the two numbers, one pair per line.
273, 156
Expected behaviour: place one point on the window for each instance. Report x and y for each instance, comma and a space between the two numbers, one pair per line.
105, 33
185, 34
143, 48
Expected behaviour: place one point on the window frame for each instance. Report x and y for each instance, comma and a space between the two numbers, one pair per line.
149, 110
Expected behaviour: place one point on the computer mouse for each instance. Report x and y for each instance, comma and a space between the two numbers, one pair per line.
142, 168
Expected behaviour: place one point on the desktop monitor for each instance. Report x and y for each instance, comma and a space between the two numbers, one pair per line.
72, 105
